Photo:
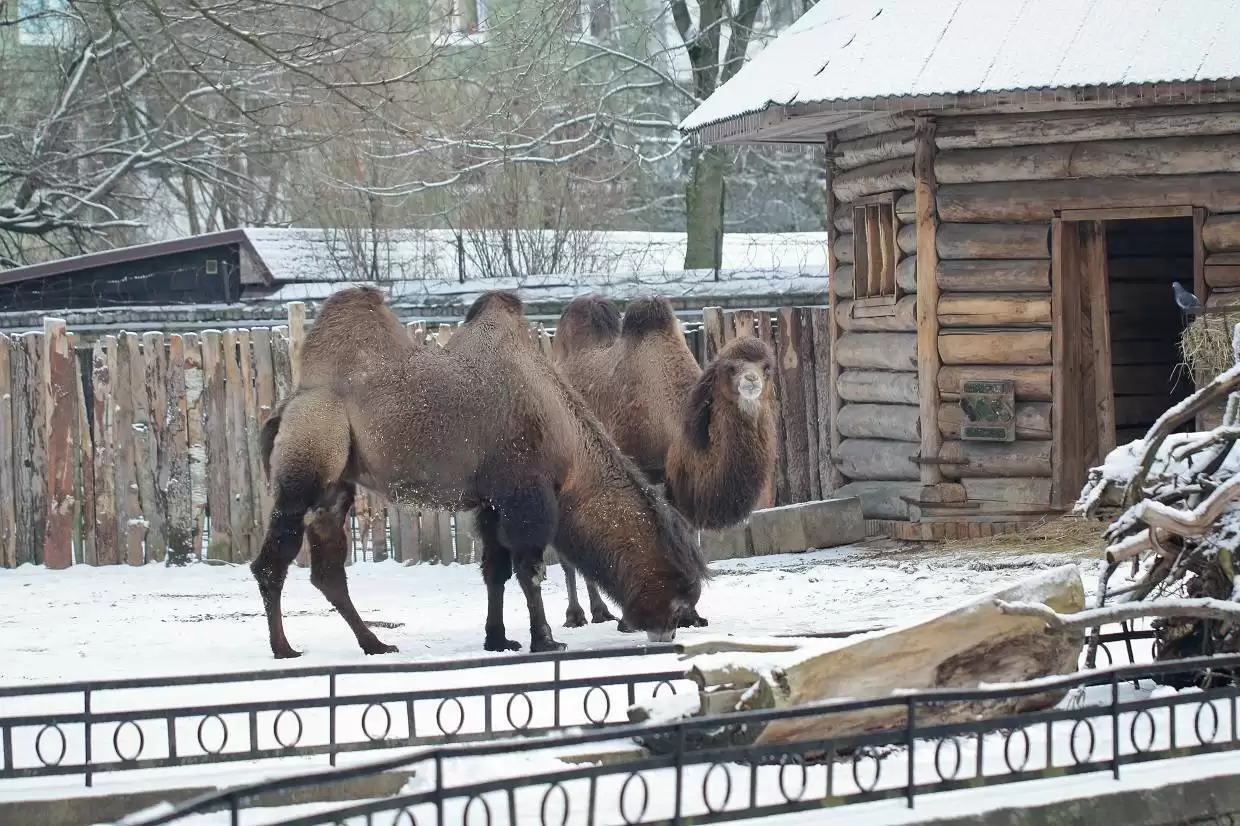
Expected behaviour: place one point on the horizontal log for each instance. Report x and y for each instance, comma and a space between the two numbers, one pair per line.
843, 248
1221, 233
884, 176
880, 421
1142, 379
990, 241
873, 149
877, 351
906, 277
1032, 383
1014, 347
1039, 200
1223, 275
904, 317
877, 459
906, 239
1035, 491
982, 310
1033, 420
1090, 159
1226, 296
988, 459
971, 131
879, 499
995, 276
878, 387
1133, 411
1223, 259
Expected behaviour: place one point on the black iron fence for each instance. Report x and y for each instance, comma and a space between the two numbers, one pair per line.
1107, 719
119, 725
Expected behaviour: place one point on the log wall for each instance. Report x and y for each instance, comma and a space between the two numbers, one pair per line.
999, 182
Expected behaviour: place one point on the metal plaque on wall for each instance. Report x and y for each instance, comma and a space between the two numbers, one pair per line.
989, 411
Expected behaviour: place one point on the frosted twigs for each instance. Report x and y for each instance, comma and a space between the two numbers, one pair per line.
1206, 608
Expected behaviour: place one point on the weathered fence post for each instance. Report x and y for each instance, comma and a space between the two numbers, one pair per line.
56, 386
174, 476
777, 492
130, 526
103, 413
296, 335
215, 438
821, 324
196, 446
712, 328
148, 386
8, 463
84, 463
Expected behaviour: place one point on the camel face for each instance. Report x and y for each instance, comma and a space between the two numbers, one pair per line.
749, 380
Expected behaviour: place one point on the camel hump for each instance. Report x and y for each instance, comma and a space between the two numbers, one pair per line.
587, 321
508, 303
649, 315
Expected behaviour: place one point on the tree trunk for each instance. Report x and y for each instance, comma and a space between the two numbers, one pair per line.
704, 201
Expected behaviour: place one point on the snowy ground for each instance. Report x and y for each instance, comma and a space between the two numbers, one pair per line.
122, 622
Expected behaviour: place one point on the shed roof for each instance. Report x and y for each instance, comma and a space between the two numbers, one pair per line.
861, 53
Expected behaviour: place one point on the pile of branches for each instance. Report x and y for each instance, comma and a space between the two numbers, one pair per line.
1174, 501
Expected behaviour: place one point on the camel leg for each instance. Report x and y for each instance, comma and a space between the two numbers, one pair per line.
329, 548
575, 616
598, 609
496, 571
285, 528
531, 571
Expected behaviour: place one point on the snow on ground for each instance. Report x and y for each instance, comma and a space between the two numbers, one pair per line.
87, 623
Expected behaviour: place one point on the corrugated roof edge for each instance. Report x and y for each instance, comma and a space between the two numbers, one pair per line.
750, 121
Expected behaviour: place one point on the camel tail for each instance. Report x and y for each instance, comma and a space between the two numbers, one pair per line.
649, 315
267, 436
587, 321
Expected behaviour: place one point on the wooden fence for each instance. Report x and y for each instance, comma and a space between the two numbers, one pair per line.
144, 448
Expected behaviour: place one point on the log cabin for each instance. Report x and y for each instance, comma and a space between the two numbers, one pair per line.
1013, 188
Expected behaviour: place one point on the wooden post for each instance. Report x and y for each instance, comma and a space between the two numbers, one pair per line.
149, 407
194, 439
743, 325
834, 479
244, 546
8, 460
264, 403
215, 437
925, 192
249, 401
712, 326
1094, 266
84, 518
1201, 288
103, 371
56, 385
174, 476
809, 381
130, 526
820, 324
1065, 412
296, 336
792, 406
778, 481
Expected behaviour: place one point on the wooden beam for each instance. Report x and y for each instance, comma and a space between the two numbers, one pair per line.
835, 479
1094, 274
928, 362
1125, 213
1065, 311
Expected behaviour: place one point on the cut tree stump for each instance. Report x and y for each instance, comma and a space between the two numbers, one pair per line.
962, 648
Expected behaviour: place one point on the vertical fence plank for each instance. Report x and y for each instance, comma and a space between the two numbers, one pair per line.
281, 362
195, 446
56, 386
85, 460
130, 526
378, 529
8, 459
777, 490
242, 508
30, 441
149, 408
264, 403
174, 477
712, 328
296, 336
103, 415
743, 325
447, 547
396, 518
245, 343
410, 540
821, 322
793, 406
464, 539
428, 536
215, 437
809, 383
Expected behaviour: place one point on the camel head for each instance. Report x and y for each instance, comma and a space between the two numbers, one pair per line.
744, 374
496, 305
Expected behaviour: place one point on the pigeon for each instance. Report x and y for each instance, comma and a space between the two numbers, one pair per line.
1188, 303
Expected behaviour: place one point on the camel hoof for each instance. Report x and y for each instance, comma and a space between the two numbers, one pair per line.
693, 622
380, 648
602, 616
501, 645
287, 654
540, 645
624, 628
574, 618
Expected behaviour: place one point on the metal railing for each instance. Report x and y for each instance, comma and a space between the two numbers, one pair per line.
723, 781
119, 725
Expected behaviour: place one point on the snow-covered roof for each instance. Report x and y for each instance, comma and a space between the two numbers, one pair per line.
867, 50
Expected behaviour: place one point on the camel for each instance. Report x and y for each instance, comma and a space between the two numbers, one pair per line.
707, 435
486, 424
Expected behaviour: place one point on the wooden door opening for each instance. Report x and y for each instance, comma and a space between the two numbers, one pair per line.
1118, 335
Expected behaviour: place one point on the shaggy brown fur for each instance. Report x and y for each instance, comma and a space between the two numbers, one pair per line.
709, 435
486, 423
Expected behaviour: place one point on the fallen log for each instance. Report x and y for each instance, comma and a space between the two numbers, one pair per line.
973, 644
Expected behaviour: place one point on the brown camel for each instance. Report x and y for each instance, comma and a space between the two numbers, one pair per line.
708, 435
485, 424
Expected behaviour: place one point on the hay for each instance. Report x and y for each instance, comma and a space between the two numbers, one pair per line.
1206, 345
1052, 534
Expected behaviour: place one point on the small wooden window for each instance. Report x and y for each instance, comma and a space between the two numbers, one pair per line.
875, 251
